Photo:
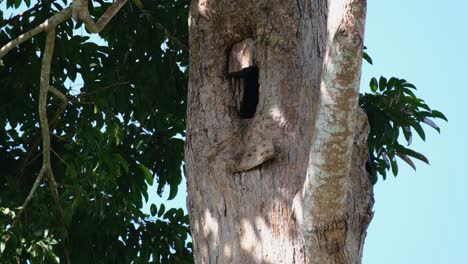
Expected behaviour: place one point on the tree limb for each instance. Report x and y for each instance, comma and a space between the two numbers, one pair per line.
46, 166
61, 107
43, 93
30, 155
83, 14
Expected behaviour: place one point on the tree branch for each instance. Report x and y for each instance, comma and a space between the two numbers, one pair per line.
46, 149
43, 91
101, 89
28, 199
83, 14
61, 107
30, 155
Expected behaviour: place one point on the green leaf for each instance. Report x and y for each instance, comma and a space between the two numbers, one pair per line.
438, 114
391, 83
173, 191
408, 134
408, 85
385, 158
409, 92
147, 173
413, 154
419, 129
366, 57
407, 160
394, 166
153, 209
382, 83
162, 208
431, 124
373, 85
145, 195
2, 246
122, 162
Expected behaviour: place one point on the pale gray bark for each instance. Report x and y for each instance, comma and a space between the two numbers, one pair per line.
244, 214
324, 212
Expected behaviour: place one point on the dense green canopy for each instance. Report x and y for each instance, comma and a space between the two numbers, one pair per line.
120, 131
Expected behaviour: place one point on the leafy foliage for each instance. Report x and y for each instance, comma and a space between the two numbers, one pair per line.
121, 130
393, 108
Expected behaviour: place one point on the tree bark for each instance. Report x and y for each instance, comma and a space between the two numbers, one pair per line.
247, 158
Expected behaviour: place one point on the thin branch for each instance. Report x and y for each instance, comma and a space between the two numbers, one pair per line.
51, 22
58, 156
30, 155
43, 91
30, 195
61, 107
83, 14
84, 94
33, 159
46, 149
54, 190
63, 139
58, 94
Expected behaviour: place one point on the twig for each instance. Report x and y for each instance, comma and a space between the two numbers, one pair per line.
61, 107
33, 159
63, 139
28, 199
60, 158
84, 94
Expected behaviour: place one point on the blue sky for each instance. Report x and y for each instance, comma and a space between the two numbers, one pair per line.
422, 216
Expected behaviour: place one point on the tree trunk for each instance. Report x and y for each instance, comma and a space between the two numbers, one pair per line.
258, 132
